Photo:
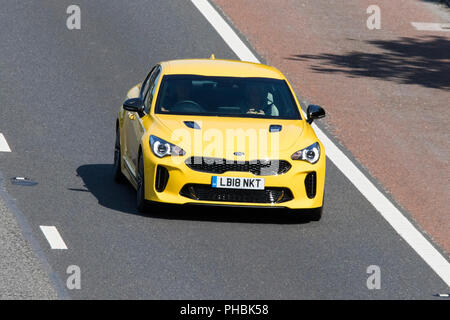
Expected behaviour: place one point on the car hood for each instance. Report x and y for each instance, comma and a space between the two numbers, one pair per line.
223, 137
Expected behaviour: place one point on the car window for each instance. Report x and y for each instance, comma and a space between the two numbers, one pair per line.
146, 83
226, 96
152, 88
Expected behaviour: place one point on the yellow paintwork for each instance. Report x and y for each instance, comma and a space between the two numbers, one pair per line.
220, 68
295, 135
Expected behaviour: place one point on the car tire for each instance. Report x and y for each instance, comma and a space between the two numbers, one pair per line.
141, 203
117, 171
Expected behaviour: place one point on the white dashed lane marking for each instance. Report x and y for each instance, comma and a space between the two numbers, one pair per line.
53, 237
4, 147
427, 26
393, 216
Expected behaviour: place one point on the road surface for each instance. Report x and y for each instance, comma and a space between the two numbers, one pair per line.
60, 90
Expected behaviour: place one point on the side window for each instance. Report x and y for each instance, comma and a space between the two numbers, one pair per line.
148, 99
147, 82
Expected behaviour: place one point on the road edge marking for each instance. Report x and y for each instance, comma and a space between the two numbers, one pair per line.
431, 26
225, 31
381, 203
384, 206
4, 147
53, 237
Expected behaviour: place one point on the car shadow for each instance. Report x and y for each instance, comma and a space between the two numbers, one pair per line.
421, 61
98, 180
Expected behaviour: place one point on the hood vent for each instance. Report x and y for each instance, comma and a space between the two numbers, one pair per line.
275, 128
192, 124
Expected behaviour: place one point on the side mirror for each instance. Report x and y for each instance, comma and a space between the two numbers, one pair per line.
314, 112
134, 105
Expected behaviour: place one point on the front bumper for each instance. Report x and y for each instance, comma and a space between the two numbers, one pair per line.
181, 176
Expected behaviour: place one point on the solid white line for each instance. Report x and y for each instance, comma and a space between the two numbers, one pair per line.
427, 26
225, 31
392, 215
4, 147
53, 237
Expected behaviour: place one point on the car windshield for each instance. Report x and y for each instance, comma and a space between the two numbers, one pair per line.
227, 97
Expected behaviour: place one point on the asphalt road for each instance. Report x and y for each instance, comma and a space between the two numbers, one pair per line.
59, 94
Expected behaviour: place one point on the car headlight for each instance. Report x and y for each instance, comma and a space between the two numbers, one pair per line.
310, 154
162, 148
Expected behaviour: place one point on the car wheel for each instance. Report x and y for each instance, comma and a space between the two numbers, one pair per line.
117, 172
142, 205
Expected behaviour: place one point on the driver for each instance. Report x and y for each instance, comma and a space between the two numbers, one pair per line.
257, 101
254, 99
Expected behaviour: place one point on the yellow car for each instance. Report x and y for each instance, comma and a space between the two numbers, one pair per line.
219, 132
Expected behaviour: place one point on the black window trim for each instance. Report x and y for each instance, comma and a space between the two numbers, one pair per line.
141, 93
152, 75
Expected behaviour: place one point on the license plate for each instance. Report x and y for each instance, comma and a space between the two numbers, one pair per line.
238, 183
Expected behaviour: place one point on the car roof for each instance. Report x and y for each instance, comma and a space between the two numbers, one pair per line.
220, 68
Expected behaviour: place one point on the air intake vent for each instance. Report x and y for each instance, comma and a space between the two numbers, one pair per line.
310, 184
275, 128
192, 124
205, 192
162, 176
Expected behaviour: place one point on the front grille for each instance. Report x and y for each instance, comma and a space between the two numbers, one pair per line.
257, 167
310, 184
207, 193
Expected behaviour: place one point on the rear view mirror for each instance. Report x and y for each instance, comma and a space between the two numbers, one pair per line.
314, 112
134, 105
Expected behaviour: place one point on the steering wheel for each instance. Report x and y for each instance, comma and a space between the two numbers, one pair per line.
189, 105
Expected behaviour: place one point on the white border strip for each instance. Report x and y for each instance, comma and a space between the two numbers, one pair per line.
53, 237
429, 26
392, 215
4, 147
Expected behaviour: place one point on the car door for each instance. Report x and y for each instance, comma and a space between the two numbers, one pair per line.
135, 127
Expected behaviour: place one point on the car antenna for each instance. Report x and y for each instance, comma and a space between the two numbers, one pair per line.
213, 57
